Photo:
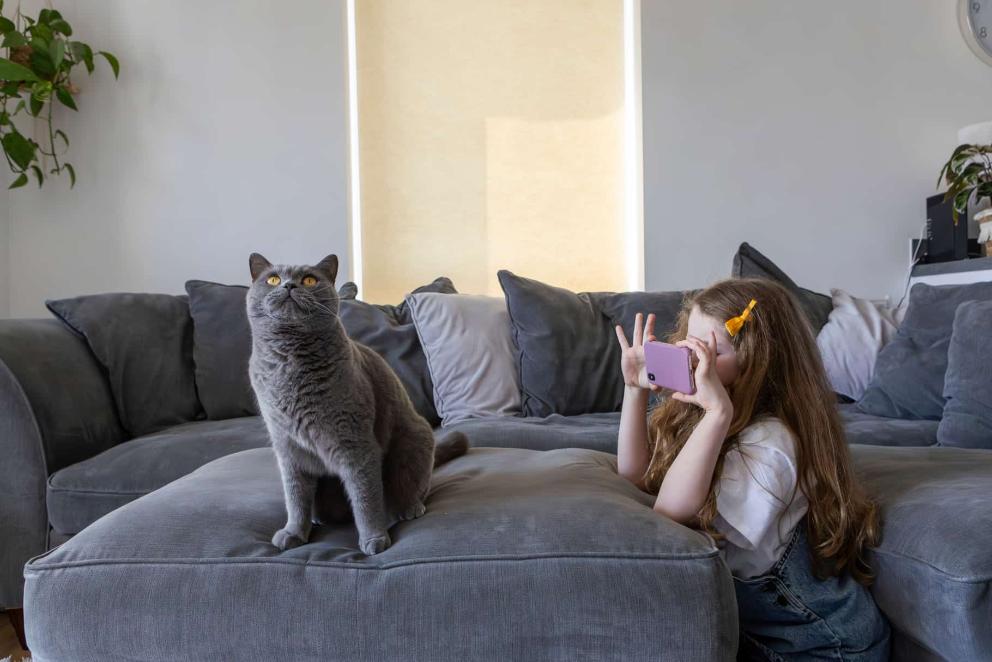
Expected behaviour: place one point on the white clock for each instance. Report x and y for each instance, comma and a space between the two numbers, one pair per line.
975, 21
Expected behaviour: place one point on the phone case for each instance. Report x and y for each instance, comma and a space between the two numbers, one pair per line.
669, 366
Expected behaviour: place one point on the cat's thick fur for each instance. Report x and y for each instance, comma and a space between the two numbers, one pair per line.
336, 413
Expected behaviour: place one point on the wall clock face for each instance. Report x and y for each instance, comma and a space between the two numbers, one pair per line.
975, 20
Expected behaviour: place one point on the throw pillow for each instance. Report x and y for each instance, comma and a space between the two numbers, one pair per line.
567, 354
145, 343
909, 372
967, 420
223, 345
469, 353
855, 332
750, 263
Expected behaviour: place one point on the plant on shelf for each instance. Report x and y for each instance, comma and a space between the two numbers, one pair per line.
968, 175
36, 72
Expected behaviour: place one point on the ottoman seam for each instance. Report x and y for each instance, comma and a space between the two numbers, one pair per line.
68, 565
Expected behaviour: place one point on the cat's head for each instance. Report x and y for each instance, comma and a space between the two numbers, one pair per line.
290, 294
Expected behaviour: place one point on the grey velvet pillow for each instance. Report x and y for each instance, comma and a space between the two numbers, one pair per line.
221, 348
909, 371
389, 330
967, 420
568, 358
145, 343
223, 345
470, 354
751, 263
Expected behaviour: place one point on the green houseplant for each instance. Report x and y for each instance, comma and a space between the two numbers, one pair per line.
968, 175
37, 72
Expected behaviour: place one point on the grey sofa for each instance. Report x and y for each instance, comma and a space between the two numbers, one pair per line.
67, 462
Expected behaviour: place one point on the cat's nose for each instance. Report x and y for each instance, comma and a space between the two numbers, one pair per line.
290, 285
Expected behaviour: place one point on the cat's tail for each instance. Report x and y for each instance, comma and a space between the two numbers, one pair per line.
448, 446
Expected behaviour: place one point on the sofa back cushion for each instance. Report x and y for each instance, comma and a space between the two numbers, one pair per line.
145, 343
470, 354
967, 419
749, 262
909, 371
223, 345
567, 354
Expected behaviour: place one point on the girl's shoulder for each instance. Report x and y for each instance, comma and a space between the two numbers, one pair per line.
767, 435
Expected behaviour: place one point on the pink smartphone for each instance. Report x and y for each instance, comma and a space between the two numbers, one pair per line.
669, 366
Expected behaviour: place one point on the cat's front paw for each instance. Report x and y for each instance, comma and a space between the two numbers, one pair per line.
375, 544
285, 539
413, 512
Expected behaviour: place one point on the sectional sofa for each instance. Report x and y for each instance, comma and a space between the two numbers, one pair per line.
121, 395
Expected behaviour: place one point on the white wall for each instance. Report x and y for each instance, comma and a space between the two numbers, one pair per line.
812, 131
4, 254
226, 134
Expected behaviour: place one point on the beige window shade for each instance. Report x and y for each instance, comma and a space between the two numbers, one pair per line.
491, 136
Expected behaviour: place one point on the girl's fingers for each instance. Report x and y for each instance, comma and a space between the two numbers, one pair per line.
638, 330
622, 337
649, 329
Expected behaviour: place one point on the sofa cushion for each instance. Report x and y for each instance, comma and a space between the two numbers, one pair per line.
967, 418
933, 567
592, 431
145, 343
222, 347
909, 371
749, 262
862, 428
466, 339
567, 352
521, 555
82, 493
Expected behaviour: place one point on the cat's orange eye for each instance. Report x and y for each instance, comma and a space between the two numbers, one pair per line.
309, 281
274, 280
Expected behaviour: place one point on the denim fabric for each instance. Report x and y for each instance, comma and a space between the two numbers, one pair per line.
789, 614
522, 555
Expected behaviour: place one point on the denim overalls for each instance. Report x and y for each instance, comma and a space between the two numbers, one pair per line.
788, 614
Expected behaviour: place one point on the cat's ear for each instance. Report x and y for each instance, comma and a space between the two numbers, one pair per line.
329, 267
258, 265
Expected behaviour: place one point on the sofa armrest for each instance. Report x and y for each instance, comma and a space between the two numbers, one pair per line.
55, 410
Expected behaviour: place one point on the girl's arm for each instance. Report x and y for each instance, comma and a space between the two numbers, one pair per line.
632, 441
687, 482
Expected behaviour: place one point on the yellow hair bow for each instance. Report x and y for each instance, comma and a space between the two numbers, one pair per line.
734, 324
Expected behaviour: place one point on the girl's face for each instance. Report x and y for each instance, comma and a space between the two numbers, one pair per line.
700, 326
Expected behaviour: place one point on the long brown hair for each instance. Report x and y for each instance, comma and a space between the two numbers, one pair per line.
781, 375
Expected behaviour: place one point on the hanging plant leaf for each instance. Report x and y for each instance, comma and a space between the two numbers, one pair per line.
57, 52
66, 98
35, 105
72, 174
58, 25
18, 148
39, 175
14, 39
13, 71
61, 134
82, 52
6, 25
114, 64
19, 182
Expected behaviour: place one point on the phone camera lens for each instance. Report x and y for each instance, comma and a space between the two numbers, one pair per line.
651, 376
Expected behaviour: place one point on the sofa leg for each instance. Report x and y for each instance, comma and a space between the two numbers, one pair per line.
17, 620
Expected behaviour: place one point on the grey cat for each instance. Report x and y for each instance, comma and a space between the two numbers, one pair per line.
339, 418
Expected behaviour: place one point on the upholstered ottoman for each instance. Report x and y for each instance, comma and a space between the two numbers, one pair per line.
522, 555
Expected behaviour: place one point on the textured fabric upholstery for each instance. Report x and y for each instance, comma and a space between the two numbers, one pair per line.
521, 555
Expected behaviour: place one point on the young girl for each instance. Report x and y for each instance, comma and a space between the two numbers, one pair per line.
757, 459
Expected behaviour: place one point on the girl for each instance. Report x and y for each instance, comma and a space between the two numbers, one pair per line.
757, 459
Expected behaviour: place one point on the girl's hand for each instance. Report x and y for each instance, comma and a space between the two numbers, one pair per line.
710, 395
635, 375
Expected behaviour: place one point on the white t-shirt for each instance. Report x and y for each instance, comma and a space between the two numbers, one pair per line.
756, 508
